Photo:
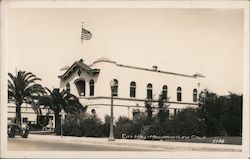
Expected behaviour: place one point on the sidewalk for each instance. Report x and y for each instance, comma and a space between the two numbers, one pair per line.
183, 146
41, 132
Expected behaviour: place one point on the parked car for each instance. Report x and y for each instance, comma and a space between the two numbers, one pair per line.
15, 129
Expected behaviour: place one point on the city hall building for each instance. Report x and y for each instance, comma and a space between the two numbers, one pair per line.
133, 86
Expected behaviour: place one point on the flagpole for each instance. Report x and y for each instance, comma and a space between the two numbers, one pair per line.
81, 31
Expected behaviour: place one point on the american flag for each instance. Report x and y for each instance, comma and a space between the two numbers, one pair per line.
85, 35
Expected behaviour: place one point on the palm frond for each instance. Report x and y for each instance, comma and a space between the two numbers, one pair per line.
22, 88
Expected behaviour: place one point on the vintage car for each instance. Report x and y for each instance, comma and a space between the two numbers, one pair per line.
15, 129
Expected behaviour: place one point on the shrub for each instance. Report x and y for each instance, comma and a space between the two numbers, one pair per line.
157, 128
123, 126
187, 122
83, 125
71, 126
127, 126
91, 127
106, 126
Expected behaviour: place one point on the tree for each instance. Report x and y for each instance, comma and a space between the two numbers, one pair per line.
232, 118
210, 110
163, 113
187, 122
56, 101
221, 114
149, 110
22, 88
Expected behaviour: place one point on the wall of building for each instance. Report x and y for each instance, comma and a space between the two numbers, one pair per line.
72, 79
125, 76
28, 113
123, 103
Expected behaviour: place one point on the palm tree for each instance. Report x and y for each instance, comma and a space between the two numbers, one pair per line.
23, 88
57, 101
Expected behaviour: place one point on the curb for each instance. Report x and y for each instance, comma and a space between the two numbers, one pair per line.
140, 143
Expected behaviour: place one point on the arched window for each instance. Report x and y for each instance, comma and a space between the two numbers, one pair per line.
179, 94
165, 92
149, 91
80, 85
132, 89
195, 95
175, 111
115, 91
68, 88
91, 87
93, 112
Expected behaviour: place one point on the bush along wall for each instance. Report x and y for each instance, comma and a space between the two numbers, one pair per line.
83, 125
215, 116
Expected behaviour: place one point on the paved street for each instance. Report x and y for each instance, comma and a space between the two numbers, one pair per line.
20, 144
38, 142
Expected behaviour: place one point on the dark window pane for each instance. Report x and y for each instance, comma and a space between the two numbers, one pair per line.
91, 88
149, 91
179, 94
165, 92
80, 85
195, 95
175, 111
132, 89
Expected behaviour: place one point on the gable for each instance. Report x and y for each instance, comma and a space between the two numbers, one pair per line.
79, 65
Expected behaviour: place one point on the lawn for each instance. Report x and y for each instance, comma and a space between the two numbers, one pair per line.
234, 140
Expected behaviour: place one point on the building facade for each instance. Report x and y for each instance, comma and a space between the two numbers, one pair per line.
28, 115
134, 85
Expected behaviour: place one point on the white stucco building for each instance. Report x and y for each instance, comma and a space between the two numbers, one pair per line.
91, 83
28, 115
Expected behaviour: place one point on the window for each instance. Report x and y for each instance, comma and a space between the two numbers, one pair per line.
91, 87
132, 89
149, 91
68, 88
25, 120
80, 85
115, 90
136, 114
195, 95
167, 112
165, 92
179, 94
93, 112
175, 111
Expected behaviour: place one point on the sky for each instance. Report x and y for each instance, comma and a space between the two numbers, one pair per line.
188, 41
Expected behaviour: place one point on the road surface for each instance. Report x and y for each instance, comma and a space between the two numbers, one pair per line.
21, 144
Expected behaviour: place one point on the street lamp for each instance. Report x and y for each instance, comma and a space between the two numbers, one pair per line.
62, 113
111, 132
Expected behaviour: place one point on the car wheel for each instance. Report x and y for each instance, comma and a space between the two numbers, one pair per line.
25, 134
12, 133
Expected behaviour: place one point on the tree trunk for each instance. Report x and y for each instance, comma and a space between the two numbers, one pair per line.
57, 124
18, 114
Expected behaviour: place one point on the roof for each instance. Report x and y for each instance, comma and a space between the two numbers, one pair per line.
81, 65
91, 71
154, 69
